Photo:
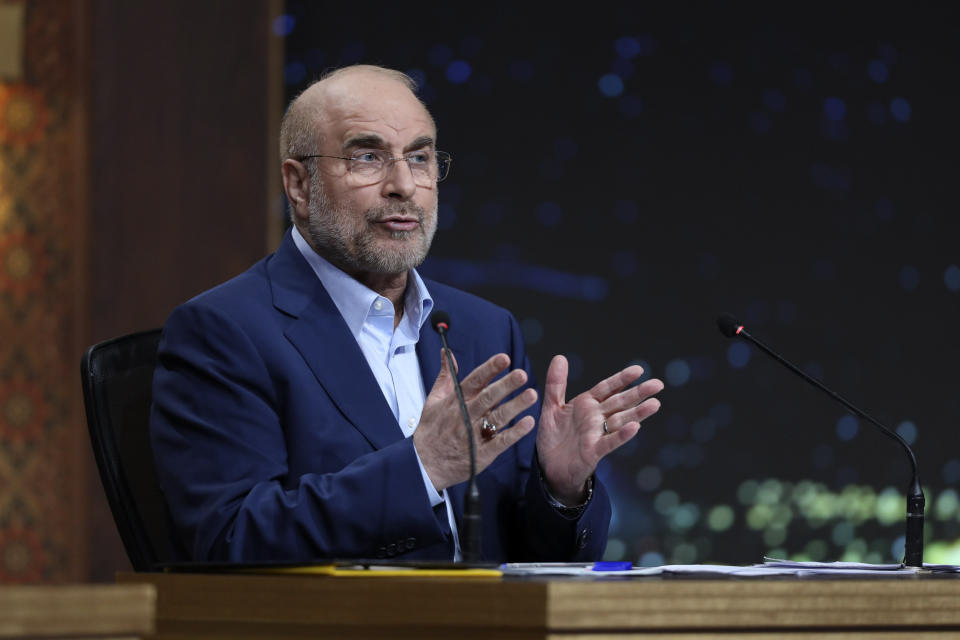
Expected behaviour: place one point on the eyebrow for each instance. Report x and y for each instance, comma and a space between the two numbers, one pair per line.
420, 143
364, 140
374, 141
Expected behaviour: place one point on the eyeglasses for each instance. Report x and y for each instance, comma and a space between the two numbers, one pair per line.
370, 167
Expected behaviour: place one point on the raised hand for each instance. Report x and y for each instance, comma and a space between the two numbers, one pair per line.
574, 436
440, 438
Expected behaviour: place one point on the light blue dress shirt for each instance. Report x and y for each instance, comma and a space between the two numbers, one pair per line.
391, 354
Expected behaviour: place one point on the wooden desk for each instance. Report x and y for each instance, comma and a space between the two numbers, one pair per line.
80, 611
274, 606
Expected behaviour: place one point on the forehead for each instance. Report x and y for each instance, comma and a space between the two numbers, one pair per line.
372, 105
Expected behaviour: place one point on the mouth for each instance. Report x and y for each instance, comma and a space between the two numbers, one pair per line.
400, 223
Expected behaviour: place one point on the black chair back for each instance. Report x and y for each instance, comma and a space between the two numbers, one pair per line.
117, 378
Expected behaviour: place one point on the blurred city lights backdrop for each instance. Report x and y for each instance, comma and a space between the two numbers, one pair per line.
621, 178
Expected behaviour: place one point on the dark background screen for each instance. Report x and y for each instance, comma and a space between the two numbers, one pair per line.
622, 176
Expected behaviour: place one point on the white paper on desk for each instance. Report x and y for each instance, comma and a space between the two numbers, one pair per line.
586, 570
772, 567
839, 568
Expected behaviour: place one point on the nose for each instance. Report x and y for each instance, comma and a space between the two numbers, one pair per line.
399, 183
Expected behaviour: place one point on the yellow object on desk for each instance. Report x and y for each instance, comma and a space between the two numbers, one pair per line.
375, 571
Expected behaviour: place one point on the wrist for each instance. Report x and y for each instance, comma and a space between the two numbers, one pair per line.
571, 508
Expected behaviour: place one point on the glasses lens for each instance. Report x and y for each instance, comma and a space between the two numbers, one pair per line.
426, 167
443, 164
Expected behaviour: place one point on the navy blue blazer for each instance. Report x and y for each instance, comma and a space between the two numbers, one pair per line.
273, 441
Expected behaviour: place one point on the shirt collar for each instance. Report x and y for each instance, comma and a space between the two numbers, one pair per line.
354, 300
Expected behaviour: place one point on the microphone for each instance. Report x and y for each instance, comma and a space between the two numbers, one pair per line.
471, 503
913, 546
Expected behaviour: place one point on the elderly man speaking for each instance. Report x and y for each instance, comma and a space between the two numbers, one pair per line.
302, 410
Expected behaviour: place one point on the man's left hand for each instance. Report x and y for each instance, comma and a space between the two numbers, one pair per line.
571, 438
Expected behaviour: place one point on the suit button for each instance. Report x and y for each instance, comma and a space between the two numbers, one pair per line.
410, 543
582, 539
391, 549
381, 552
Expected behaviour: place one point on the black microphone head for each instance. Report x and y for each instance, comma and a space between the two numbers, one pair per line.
440, 319
728, 325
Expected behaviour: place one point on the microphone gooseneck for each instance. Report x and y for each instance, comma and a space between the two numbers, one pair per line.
913, 545
440, 320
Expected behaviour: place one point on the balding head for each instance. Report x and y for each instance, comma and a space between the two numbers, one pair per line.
302, 126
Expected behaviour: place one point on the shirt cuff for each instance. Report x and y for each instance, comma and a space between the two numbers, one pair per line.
435, 498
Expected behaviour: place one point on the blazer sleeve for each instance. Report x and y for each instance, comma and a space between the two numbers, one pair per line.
547, 534
220, 441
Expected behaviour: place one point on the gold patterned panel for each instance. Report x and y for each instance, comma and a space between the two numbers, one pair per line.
41, 464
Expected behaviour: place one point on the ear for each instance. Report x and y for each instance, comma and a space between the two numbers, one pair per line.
296, 184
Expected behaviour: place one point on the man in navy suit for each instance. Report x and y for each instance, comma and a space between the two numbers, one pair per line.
302, 410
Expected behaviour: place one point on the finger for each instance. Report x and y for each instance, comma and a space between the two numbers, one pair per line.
631, 397
638, 413
509, 410
555, 385
444, 381
495, 393
615, 439
505, 439
616, 383
480, 377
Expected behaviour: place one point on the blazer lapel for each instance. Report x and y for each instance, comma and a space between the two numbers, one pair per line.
321, 336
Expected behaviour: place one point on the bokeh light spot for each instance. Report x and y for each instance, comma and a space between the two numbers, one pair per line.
720, 518
649, 478
897, 547
610, 85
628, 47
532, 330
834, 108
877, 70
842, 534
738, 355
774, 100
684, 553
616, 550
759, 122
440, 55
294, 72
677, 372
946, 505
900, 110
666, 502
951, 278
458, 71
889, 506
951, 472
908, 431
283, 25
847, 427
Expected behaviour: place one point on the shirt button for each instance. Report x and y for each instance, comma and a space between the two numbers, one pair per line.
412, 422
378, 305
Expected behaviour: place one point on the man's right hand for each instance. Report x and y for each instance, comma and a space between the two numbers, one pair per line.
440, 439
